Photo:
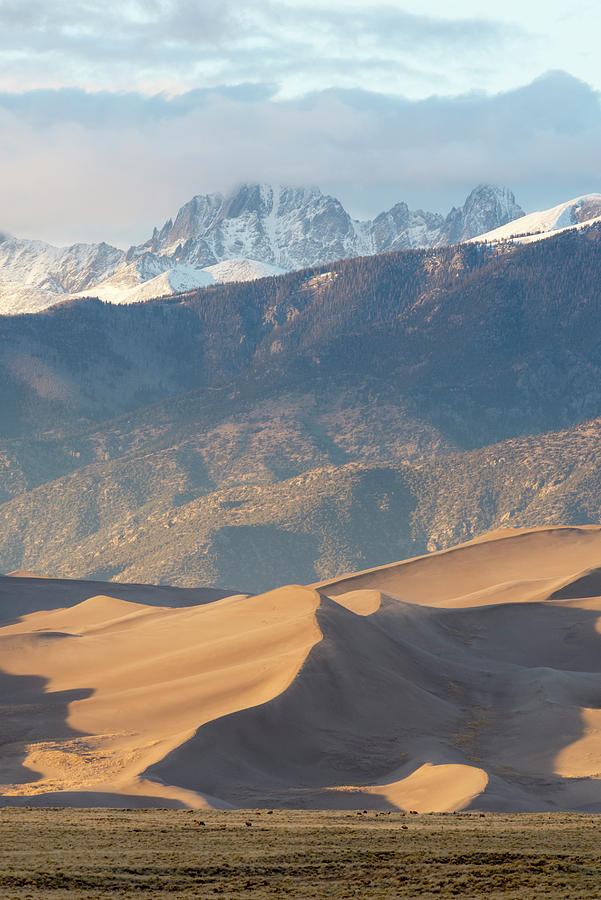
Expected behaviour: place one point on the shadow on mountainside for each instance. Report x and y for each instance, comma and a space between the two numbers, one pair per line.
499, 688
259, 553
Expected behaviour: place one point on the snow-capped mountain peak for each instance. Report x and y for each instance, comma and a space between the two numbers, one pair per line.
280, 225
255, 230
488, 206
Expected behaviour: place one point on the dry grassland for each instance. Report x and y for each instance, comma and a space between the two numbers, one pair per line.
69, 853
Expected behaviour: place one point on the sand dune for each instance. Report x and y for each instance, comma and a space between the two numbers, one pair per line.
469, 678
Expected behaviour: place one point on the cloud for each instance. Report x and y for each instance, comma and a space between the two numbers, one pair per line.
178, 43
109, 166
107, 109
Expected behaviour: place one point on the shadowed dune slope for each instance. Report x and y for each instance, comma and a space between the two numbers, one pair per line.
25, 592
470, 678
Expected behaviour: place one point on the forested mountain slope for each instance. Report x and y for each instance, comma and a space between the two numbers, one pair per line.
483, 343
317, 422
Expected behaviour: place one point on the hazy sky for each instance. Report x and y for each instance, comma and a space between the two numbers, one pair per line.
114, 114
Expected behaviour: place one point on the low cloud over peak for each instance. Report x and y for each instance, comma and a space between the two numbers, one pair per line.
110, 165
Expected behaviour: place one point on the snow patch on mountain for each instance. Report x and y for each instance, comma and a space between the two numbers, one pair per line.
128, 278
241, 270
17, 298
124, 289
132, 283
577, 213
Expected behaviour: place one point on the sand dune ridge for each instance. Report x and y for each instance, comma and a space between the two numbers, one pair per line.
469, 678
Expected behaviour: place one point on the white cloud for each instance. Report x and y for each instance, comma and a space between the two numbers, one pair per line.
179, 44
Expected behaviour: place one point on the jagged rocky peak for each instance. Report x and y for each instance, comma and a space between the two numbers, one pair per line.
192, 220
58, 269
404, 229
290, 227
246, 202
83, 265
293, 227
488, 206
282, 227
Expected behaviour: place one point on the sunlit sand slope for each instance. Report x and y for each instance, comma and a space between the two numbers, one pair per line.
98, 692
469, 678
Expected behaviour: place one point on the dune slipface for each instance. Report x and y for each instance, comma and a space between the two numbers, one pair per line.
469, 678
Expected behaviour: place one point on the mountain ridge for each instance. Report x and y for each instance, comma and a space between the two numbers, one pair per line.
255, 230
328, 419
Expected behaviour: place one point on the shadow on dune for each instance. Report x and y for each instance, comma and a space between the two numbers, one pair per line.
94, 800
20, 596
498, 688
31, 715
588, 585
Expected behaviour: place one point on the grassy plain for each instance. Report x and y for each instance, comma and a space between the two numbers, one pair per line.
89, 853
